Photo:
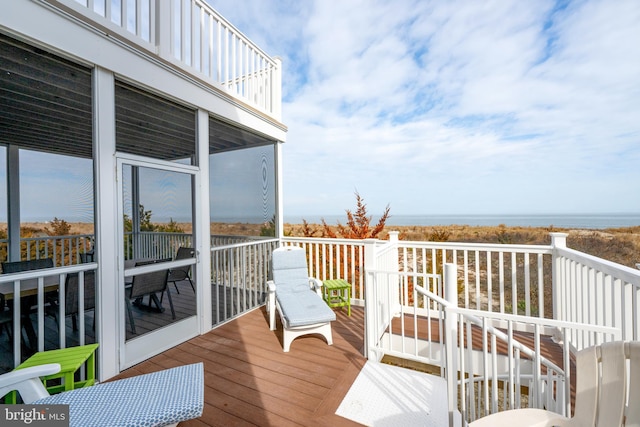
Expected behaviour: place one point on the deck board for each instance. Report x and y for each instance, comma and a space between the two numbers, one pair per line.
249, 380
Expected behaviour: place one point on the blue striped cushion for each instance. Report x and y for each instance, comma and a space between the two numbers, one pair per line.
155, 399
290, 270
304, 308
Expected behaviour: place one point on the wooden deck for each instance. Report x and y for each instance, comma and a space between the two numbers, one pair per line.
249, 380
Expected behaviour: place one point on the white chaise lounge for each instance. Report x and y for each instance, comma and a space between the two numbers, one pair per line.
297, 297
162, 398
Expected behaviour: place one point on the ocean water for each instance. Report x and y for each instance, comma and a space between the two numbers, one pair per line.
578, 221
581, 221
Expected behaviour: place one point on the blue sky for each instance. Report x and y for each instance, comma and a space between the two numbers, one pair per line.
432, 107
455, 107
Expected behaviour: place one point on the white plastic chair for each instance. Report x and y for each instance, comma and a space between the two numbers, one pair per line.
601, 392
162, 398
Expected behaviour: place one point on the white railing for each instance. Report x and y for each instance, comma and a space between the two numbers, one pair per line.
501, 354
194, 37
40, 293
77, 248
589, 289
162, 245
329, 259
386, 253
154, 245
224, 240
64, 250
401, 324
494, 277
494, 379
239, 274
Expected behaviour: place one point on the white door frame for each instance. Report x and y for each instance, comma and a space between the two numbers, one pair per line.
139, 349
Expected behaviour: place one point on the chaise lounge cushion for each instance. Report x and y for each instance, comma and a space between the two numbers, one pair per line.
290, 272
154, 399
297, 297
304, 308
299, 304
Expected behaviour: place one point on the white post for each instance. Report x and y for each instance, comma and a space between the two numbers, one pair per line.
108, 317
393, 265
164, 34
370, 299
276, 90
558, 240
277, 153
451, 330
202, 233
13, 202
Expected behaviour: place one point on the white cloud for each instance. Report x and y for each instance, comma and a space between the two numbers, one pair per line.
456, 107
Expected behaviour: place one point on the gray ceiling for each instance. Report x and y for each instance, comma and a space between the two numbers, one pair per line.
45, 105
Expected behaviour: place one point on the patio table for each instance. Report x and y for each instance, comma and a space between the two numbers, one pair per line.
29, 287
71, 359
28, 290
337, 293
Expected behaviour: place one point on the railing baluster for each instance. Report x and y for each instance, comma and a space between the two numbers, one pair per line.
485, 365
466, 279
527, 284
501, 279
494, 372
489, 282
536, 367
511, 366
541, 292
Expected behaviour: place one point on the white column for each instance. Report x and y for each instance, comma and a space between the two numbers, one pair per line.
163, 34
13, 202
276, 90
370, 299
108, 319
202, 231
558, 241
277, 153
395, 266
451, 326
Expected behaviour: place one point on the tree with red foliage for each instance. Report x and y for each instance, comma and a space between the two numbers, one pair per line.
335, 259
358, 224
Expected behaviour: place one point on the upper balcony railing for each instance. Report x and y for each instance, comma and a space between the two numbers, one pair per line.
193, 37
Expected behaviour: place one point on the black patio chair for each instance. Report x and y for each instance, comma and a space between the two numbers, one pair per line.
72, 301
148, 284
182, 273
6, 318
29, 304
